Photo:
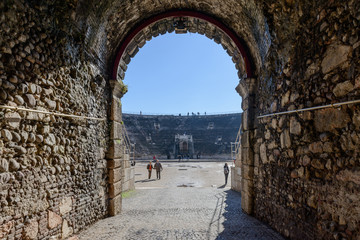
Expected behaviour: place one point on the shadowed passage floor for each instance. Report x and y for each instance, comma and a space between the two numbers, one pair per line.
190, 201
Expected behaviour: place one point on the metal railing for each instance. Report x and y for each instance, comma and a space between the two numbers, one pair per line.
235, 146
333, 105
129, 147
50, 113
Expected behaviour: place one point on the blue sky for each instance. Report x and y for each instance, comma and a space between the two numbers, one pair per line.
181, 73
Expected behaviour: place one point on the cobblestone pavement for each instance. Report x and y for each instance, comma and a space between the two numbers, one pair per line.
189, 202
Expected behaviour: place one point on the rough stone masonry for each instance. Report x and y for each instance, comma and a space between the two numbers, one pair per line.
300, 172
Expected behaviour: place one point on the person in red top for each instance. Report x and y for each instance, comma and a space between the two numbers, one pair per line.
149, 168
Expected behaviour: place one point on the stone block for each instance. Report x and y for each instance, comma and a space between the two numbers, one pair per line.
126, 186
115, 110
5, 229
66, 230
115, 205
13, 119
6, 135
327, 120
4, 165
116, 149
285, 139
31, 230
127, 174
236, 179
247, 186
247, 172
263, 153
65, 205
115, 189
54, 220
114, 175
73, 238
248, 119
343, 88
247, 156
295, 126
115, 163
117, 89
247, 202
245, 139
116, 129
349, 176
335, 55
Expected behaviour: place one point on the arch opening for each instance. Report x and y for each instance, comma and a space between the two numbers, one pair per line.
193, 22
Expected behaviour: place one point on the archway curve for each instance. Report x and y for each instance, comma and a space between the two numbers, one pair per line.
238, 42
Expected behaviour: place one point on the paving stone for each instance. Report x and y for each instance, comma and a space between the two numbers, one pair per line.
160, 209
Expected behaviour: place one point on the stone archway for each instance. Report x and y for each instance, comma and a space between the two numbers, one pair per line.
195, 22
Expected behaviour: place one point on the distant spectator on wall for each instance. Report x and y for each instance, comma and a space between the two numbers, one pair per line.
149, 167
158, 168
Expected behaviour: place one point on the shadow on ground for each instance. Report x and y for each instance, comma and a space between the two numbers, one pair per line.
145, 180
237, 224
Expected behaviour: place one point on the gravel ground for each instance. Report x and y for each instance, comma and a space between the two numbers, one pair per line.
189, 202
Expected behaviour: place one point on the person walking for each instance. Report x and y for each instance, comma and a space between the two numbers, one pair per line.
158, 168
226, 172
149, 168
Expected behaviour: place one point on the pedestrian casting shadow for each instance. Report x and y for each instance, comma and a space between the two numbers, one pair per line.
145, 180
222, 186
230, 222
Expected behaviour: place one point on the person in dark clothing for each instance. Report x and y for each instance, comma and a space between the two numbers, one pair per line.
226, 172
158, 168
149, 168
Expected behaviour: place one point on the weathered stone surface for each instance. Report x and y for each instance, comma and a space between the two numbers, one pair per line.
114, 175
30, 100
50, 140
5, 229
4, 165
31, 230
13, 119
54, 220
263, 154
316, 163
349, 176
303, 48
335, 55
66, 230
342, 89
115, 163
115, 189
6, 135
330, 119
65, 205
115, 205
316, 147
116, 149
285, 139
13, 165
295, 127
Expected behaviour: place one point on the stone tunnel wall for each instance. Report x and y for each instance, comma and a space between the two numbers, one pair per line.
300, 172
306, 166
53, 176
